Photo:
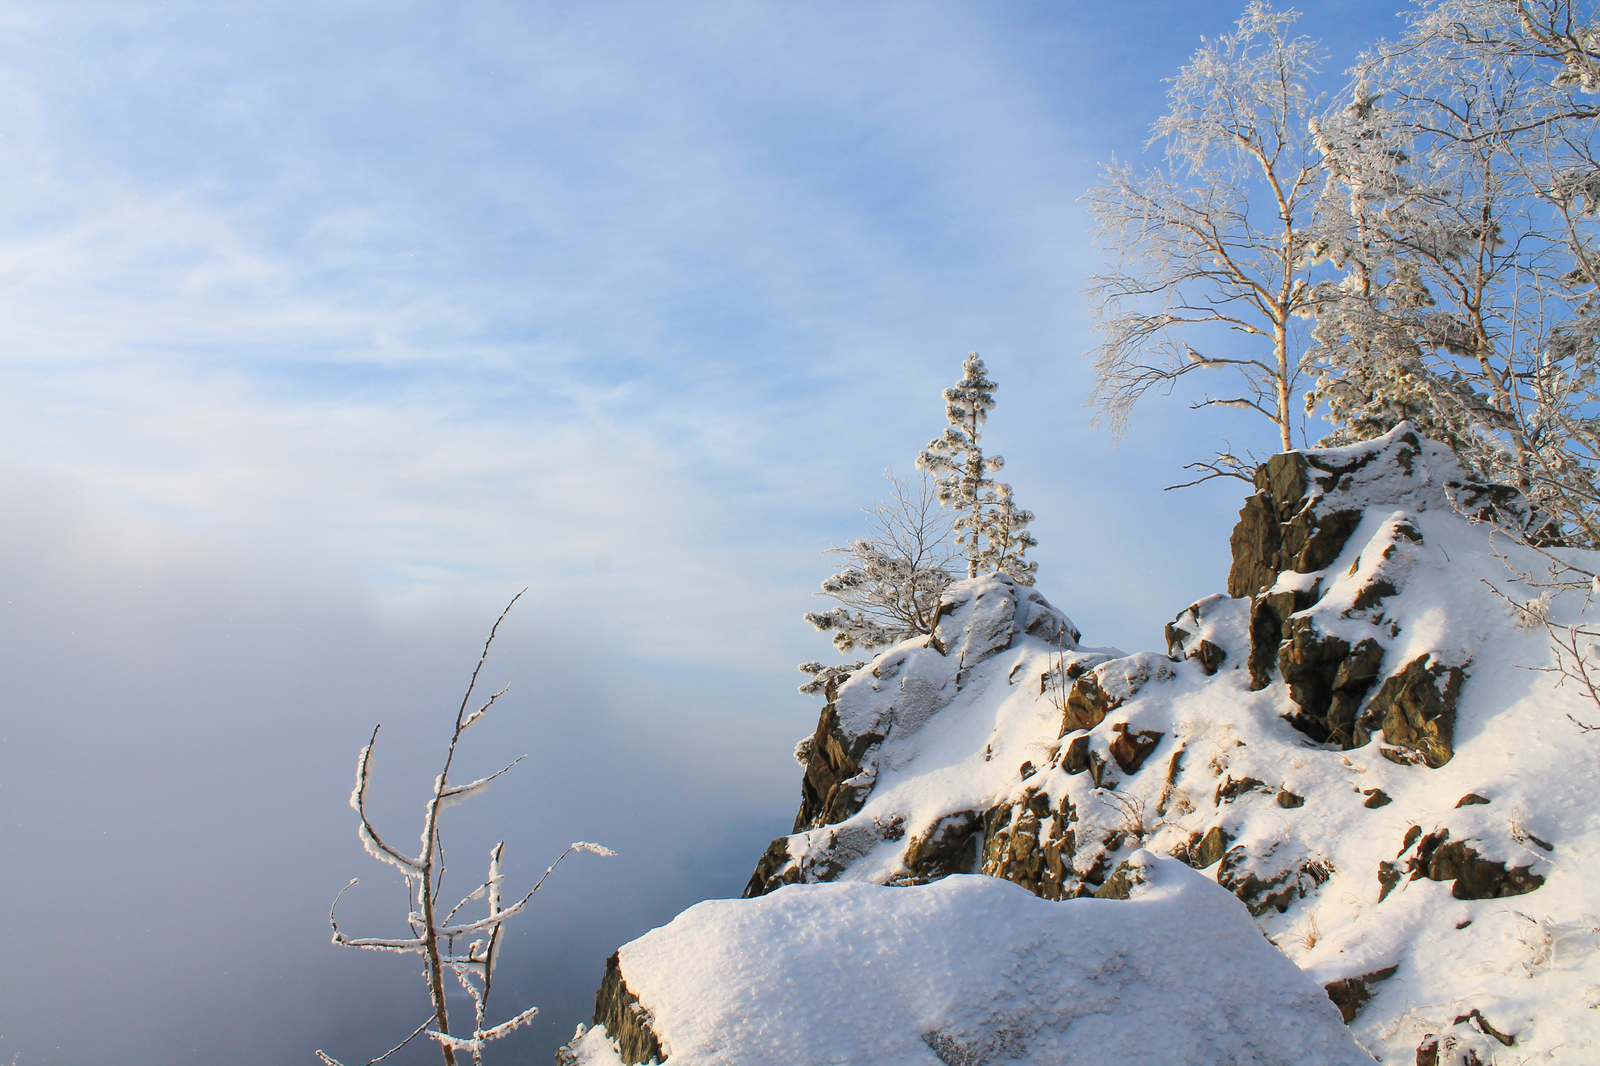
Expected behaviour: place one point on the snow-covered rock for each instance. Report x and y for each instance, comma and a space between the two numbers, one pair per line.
973, 970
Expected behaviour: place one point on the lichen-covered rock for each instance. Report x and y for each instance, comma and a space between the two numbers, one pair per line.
1124, 881
1415, 708
1210, 848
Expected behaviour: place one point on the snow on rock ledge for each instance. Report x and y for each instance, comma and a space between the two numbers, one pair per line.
971, 970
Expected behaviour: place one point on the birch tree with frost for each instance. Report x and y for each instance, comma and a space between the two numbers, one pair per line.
1460, 213
464, 950
1214, 241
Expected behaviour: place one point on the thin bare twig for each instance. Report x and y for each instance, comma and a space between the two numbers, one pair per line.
432, 937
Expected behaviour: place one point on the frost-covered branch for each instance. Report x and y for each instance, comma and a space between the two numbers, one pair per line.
433, 936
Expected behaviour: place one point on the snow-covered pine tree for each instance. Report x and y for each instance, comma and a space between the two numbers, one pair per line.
888, 587
989, 527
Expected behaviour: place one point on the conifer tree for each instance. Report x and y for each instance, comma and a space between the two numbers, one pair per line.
988, 525
889, 587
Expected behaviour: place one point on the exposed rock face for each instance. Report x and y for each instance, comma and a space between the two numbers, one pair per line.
1416, 711
619, 1011
1352, 993
949, 846
834, 786
1281, 529
1263, 879
1438, 858
1194, 634
1107, 685
1131, 749
1307, 508
1031, 842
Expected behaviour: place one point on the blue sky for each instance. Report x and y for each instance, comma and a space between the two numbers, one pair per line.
330, 325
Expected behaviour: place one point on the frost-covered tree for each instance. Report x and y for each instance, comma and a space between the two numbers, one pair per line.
464, 950
1213, 244
1460, 211
889, 583
989, 527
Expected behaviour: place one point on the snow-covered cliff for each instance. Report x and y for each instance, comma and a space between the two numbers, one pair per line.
1359, 741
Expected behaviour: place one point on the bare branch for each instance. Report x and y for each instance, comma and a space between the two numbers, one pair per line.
433, 937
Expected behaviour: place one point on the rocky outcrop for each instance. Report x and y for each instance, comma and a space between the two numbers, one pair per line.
894, 697
949, 846
998, 745
836, 781
1107, 685
978, 619
1197, 634
1263, 879
1305, 617
1032, 842
1308, 503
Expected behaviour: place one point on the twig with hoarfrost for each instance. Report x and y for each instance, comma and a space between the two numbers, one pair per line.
1576, 647
432, 936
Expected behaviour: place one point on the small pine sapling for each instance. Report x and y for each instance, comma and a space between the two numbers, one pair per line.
432, 934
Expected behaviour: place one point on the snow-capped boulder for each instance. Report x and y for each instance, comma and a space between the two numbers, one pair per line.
968, 971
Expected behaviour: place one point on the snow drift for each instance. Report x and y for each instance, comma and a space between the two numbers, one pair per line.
971, 970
